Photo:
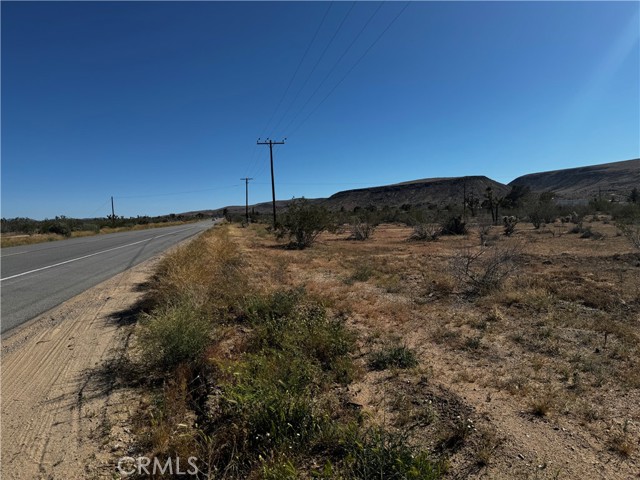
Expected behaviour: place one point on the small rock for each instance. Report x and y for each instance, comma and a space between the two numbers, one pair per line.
521, 456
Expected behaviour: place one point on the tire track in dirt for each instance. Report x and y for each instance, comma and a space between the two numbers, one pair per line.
49, 417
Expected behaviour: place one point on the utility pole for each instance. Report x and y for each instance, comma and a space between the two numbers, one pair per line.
246, 195
464, 199
113, 213
271, 143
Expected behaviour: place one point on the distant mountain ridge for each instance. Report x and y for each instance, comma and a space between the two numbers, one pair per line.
615, 179
418, 193
579, 184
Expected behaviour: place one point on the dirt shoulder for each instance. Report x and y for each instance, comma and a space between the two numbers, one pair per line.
62, 416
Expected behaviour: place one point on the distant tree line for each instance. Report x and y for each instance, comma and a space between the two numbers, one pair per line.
63, 225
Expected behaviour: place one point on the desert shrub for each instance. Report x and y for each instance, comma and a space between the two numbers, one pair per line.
427, 232
173, 334
631, 232
588, 233
484, 269
536, 219
59, 228
393, 357
454, 226
510, 223
89, 227
303, 222
361, 229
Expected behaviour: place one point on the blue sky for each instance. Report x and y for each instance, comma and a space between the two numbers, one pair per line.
161, 104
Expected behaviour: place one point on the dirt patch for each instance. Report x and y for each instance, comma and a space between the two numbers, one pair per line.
65, 411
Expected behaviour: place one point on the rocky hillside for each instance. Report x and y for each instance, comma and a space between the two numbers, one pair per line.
582, 183
420, 193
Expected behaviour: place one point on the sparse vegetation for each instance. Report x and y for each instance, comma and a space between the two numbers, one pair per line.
291, 390
398, 356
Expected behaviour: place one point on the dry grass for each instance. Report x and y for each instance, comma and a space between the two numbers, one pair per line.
206, 272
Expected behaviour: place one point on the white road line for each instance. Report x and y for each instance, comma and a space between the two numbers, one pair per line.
91, 255
12, 254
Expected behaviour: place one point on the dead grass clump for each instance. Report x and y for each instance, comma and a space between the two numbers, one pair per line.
548, 399
485, 446
426, 232
362, 271
622, 442
515, 384
165, 426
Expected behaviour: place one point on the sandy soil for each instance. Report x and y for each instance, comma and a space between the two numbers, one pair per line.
62, 416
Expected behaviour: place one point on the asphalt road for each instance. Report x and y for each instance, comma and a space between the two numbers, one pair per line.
36, 278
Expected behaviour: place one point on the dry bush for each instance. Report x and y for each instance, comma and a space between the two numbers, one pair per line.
427, 232
632, 233
361, 230
622, 442
484, 269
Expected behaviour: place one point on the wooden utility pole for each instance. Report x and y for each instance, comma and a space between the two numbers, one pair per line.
271, 143
113, 213
246, 197
464, 199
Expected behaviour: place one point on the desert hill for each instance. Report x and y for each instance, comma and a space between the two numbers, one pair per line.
583, 183
418, 193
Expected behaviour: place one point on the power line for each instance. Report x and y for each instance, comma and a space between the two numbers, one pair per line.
352, 68
98, 209
165, 194
254, 157
334, 66
304, 55
314, 67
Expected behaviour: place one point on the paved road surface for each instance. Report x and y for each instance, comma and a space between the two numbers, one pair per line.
36, 278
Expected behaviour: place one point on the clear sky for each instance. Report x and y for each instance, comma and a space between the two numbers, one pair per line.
161, 104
